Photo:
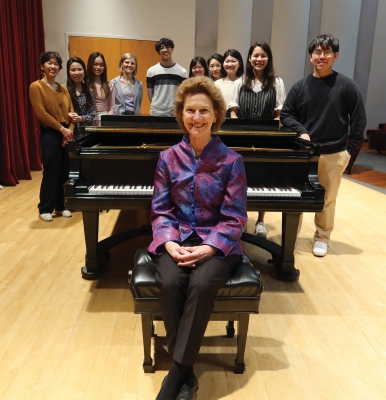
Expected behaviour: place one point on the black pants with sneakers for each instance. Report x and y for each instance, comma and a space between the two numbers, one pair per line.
55, 171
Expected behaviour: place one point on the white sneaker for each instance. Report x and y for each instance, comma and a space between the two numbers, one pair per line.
64, 213
46, 217
320, 249
260, 230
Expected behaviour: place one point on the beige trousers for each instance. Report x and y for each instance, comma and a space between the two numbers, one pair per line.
330, 171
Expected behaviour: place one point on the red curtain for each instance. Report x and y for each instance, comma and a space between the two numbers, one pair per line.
21, 42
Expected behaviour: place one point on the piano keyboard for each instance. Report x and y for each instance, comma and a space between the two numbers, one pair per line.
121, 189
273, 192
148, 191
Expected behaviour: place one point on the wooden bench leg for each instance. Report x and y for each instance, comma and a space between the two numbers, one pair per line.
241, 342
147, 330
230, 329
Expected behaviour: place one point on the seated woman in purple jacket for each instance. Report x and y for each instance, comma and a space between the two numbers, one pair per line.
198, 216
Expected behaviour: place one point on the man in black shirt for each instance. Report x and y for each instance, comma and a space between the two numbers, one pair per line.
326, 108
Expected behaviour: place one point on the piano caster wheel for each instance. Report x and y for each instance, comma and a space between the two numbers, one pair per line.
230, 329
148, 368
91, 275
292, 277
96, 268
239, 368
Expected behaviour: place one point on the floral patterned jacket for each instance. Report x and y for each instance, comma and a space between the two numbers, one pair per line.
207, 195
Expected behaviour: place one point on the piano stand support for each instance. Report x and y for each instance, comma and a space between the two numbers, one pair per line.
97, 253
282, 256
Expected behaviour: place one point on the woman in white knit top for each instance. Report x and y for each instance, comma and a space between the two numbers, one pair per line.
232, 69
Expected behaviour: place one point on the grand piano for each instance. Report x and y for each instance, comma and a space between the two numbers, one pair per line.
113, 166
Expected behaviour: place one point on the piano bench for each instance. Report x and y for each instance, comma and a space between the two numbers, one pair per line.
234, 302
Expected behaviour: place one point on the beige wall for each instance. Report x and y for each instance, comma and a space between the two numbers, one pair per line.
132, 19
192, 26
289, 39
376, 97
341, 18
234, 27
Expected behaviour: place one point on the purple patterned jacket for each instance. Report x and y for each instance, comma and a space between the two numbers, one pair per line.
208, 196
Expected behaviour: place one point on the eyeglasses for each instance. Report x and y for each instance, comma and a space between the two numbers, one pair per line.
165, 47
326, 53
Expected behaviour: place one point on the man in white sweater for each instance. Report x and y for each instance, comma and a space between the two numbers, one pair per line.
163, 79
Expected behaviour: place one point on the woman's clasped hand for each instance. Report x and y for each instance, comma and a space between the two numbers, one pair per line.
67, 135
189, 256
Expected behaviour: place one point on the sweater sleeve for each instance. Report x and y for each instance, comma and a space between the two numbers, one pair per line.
70, 108
289, 112
357, 117
37, 102
150, 87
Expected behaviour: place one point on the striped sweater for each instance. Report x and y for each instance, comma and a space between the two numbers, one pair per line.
162, 83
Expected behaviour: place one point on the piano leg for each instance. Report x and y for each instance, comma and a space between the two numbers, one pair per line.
94, 267
290, 222
282, 256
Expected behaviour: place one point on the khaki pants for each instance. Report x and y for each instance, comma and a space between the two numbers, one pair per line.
330, 171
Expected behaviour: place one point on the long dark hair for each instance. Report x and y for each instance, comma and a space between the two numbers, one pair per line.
71, 87
91, 76
235, 54
202, 61
268, 72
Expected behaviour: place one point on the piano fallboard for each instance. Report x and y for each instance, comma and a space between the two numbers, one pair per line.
83, 202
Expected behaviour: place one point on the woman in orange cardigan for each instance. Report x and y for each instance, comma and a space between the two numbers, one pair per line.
51, 103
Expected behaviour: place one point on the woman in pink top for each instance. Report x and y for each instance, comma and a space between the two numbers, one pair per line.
102, 88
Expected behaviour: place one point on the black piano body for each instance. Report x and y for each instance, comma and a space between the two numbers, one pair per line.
125, 151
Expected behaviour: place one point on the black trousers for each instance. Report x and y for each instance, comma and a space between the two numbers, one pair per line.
187, 300
55, 173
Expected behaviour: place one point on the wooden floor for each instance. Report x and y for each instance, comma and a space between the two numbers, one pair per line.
61, 337
367, 175
370, 176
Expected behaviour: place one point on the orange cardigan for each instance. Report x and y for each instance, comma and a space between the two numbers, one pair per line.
51, 107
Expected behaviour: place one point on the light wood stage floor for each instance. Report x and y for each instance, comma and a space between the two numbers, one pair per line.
61, 337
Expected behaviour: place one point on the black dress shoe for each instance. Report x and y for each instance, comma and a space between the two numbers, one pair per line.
188, 393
